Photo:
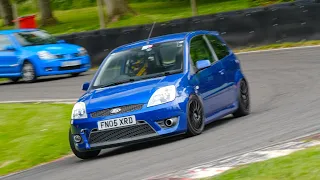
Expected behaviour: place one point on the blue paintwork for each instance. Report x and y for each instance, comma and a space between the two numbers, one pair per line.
11, 62
217, 89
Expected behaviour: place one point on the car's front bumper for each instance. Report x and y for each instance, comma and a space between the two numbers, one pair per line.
54, 67
150, 126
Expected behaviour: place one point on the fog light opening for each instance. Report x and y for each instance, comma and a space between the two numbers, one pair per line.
77, 138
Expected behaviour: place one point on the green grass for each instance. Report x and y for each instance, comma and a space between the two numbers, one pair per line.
3, 79
78, 20
32, 134
301, 165
280, 45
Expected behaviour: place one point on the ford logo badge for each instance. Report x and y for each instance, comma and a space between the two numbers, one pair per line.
116, 110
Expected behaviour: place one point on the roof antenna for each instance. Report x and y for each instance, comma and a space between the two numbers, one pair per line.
151, 32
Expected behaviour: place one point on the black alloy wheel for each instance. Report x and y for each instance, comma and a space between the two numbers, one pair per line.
195, 117
243, 100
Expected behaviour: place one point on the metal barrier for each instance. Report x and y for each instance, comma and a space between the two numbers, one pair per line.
286, 22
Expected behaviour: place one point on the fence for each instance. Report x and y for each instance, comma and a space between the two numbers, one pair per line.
287, 22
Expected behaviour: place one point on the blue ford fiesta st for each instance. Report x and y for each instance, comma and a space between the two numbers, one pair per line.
165, 86
30, 53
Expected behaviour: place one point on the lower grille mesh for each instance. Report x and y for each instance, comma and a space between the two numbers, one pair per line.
120, 133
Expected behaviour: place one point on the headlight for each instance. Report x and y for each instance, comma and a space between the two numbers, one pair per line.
163, 95
79, 111
45, 55
82, 51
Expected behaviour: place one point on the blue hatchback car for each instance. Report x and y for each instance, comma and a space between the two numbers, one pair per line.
169, 85
30, 53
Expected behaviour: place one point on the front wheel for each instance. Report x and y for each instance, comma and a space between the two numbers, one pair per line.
82, 155
195, 116
243, 100
28, 72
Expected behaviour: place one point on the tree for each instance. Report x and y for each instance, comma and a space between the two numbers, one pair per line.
47, 17
117, 8
194, 8
101, 14
6, 9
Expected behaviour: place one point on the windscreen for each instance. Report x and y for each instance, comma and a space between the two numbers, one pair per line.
141, 63
37, 37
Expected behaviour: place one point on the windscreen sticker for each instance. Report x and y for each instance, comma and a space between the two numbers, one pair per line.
180, 44
147, 47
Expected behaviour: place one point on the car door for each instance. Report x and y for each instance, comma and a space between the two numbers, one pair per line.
210, 80
230, 66
8, 58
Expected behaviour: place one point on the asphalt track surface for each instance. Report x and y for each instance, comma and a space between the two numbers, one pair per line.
285, 104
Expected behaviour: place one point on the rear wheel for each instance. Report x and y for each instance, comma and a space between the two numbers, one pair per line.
243, 100
16, 79
82, 155
195, 116
75, 74
28, 72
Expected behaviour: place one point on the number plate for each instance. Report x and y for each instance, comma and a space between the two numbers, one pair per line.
118, 122
70, 63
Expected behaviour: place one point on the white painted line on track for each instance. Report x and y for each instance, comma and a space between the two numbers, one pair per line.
279, 49
238, 154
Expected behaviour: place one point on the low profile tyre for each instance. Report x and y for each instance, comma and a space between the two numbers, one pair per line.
82, 155
195, 113
15, 80
243, 100
28, 72
75, 74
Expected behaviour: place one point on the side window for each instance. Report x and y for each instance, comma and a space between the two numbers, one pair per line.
4, 42
220, 49
199, 50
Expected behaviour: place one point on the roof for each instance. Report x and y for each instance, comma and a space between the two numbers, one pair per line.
15, 31
160, 39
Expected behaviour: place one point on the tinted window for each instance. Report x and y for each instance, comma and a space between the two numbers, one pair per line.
199, 50
220, 49
141, 63
32, 38
4, 42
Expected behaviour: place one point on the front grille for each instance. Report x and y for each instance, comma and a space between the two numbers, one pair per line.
124, 109
69, 68
124, 133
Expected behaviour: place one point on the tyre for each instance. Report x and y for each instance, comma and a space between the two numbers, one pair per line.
28, 72
243, 100
82, 155
195, 113
75, 74
14, 80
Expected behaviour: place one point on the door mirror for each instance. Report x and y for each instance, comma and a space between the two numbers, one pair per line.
85, 86
202, 64
9, 48
61, 41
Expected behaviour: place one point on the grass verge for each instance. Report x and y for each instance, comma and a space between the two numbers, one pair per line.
32, 134
280, 45
304, 164
3, 79
78, 20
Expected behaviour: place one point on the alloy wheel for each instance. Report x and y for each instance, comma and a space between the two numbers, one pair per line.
196, 115
28, 73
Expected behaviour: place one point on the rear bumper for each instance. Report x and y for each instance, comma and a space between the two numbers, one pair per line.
150, 127
55, 67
